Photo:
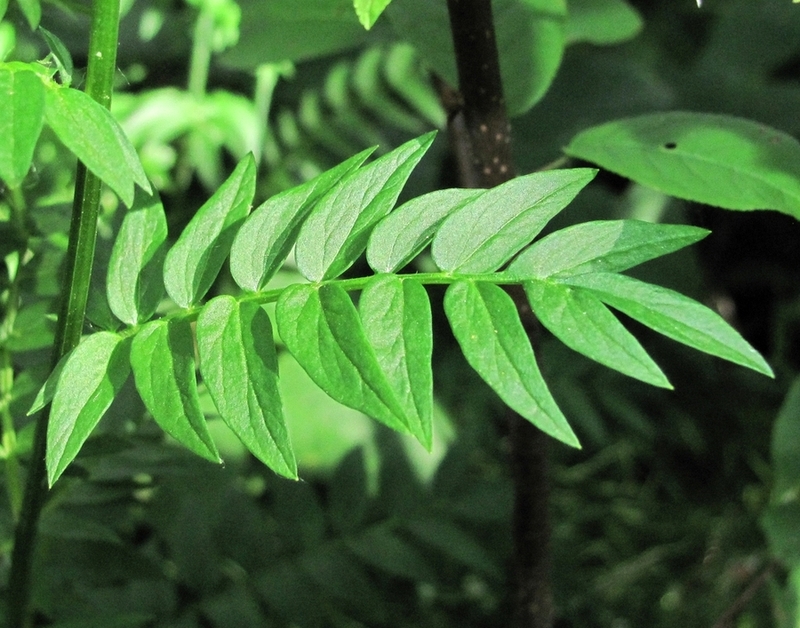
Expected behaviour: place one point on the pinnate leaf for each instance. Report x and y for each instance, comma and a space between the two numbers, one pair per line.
396, 315
162, 360
485, 322
89, 381
484, 234
194, 261
21, 120
90, 131
240, 368
584, 324
135, 284
673, 315
322, 329
336, 231
707, 158
267, 236
601, 246
399, 237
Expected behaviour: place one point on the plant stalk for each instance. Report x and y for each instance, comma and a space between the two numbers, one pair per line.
483, 135
78, 270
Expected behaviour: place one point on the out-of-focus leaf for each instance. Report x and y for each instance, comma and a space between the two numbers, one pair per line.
602, 22
718, 160
21, 118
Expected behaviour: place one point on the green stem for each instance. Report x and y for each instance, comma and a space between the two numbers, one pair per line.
78, 270
201, 53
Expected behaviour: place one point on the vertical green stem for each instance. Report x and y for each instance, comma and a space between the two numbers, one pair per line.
78, 270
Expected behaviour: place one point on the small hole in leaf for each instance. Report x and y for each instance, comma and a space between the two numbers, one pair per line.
670, 145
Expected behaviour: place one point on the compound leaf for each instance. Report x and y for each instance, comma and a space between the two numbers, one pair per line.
21, 120
336, 231
601, 246
135, 284
162, 360
399, 237
195, 259
707, 158
322, 329
484, 234
584, 324
266, 237
89, 381
673, 315
485, 322
240, 368
396, 315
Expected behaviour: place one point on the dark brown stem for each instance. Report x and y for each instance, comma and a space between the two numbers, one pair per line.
481, 136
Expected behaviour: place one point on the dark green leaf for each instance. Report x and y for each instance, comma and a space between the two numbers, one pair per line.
336, 231
32, 10
194, 261
713, 159
786, 448
601, 246
21, 120
267, 236
94, 136
322, 329
89, 381
240, 369
673, 315
162, 359
781, 523
399, 237
368, 11
383, 548
396, 316
584, 324
61, 55
483, 235
602, 22
135, 284
486, 324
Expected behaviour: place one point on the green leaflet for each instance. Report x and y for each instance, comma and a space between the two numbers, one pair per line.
194, 261
583, 323
94, 136
486, 324
713, 159
673, 315
32, 10
61, 56
602, 22
21, 120
240, 369
322, 329
399, 237
368, 11
135, 284
89, 381
601, 246
483, 235
267, 236
396, 316
336, 231
162, 359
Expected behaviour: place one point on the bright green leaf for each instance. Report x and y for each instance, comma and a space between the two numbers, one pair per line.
266, 237
487, 326
322, 329
94, 136
368, 11
240, 368
89, 381
21, 120
194, 261
673, 315
336, 231
32, 10
162, 359
399, 237
396, 316
60, 54
584, 324
483, 235
602, 22
135, 285
601, 246
713, 159
48, 389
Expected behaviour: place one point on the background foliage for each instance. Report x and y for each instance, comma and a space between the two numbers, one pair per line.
660, 520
